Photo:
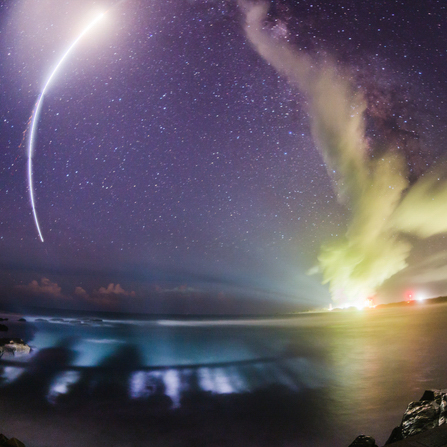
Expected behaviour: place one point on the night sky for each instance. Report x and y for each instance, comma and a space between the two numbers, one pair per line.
174, 158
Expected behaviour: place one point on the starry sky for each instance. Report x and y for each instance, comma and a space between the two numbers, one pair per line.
173, 159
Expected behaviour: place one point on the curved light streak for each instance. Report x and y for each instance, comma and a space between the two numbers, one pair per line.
35, 119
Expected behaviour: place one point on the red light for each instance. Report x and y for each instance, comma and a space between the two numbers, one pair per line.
409, 295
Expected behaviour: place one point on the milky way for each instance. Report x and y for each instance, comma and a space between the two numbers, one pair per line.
168, 144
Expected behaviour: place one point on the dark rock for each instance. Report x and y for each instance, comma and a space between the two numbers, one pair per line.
443, 410
427, 413
419, 417
3, 319
428, 395
3, 328
396, 435
363, 441
5, 340
14, 442
22, 319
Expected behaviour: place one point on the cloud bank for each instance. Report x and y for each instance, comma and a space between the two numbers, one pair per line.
113, 289
46, 287
50, 293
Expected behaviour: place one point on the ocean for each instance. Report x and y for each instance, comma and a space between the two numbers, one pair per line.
315, 379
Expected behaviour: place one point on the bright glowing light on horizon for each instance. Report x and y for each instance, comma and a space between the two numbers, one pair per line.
367, 303
421, 296
35, 119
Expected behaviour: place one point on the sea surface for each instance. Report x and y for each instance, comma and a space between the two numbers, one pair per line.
316, 379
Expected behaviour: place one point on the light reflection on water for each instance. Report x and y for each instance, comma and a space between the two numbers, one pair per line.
362, 367
220, 357
382, 361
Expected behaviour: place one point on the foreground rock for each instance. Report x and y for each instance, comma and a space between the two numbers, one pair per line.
5, 442
420, 416
427, 413
14, 346
363, 441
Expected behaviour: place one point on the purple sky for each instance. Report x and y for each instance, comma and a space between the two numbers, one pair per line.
170, 153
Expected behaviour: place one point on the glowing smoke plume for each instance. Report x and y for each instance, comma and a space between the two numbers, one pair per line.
374, 247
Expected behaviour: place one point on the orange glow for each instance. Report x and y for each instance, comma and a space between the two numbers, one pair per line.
369, 302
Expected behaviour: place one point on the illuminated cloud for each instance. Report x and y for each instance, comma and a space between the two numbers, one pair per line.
183, 289
423, 211
371, 251
376, 190
80, 292
46, 287
113, 289
431, 270
112, 297
437, 274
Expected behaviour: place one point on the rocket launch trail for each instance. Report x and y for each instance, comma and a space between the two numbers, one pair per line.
35, 118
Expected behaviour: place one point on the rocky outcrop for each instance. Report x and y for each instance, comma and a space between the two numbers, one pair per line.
14, 346
363, 441
427, 413
420, 416
11, 442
